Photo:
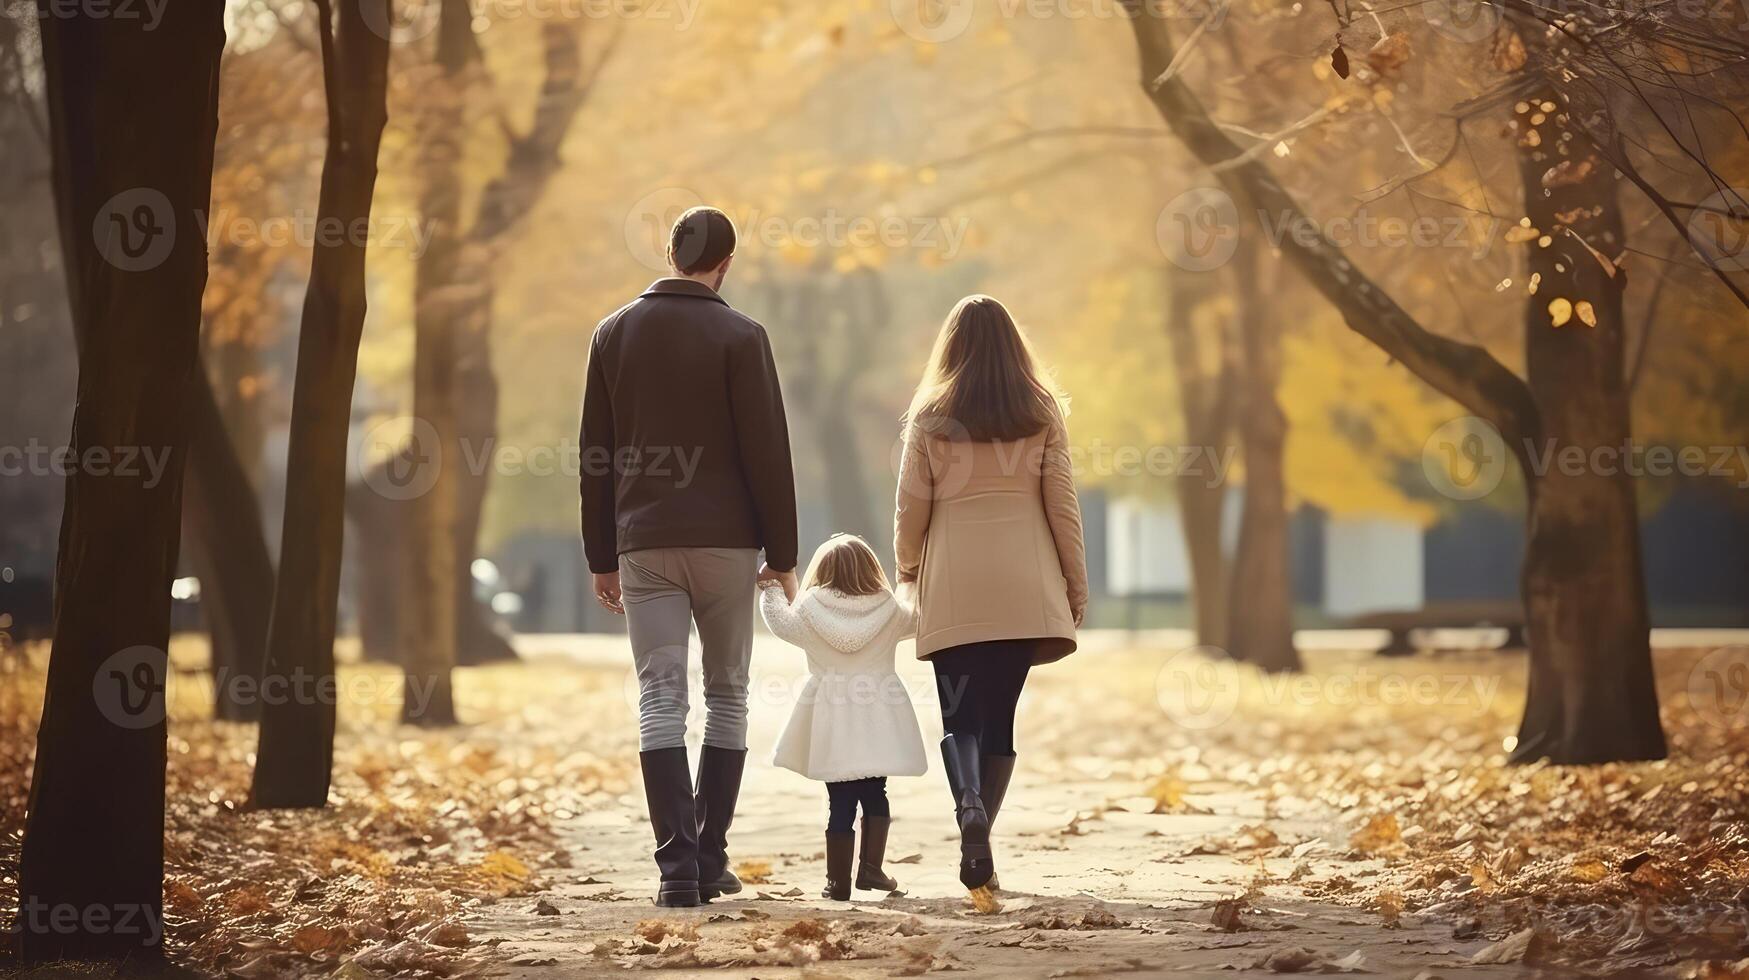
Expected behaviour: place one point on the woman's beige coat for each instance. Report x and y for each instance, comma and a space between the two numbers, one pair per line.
991, 534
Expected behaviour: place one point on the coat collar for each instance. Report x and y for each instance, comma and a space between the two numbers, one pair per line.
676, 286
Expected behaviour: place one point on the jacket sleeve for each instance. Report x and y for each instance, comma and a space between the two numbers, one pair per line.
912, 509
780, 618
600, 529
763, 434
1063, 512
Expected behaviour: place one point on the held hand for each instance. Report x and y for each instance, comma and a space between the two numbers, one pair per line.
786, 579
608, 594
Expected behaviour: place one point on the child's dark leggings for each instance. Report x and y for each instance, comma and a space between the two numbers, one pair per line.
979, 685
843, 798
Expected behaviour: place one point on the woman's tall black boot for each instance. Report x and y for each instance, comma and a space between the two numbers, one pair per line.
962, 760
997, 771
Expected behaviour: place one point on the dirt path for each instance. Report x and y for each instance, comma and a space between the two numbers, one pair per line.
1096, 884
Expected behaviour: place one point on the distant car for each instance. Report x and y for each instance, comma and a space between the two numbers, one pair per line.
491, 592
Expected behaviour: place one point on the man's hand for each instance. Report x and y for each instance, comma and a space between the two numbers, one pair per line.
788, 579
607, 593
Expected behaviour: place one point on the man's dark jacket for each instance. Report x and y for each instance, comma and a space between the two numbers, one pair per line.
685, 444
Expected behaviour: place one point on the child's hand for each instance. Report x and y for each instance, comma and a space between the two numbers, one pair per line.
785, 579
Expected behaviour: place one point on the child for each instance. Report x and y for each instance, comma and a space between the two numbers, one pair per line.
853, 725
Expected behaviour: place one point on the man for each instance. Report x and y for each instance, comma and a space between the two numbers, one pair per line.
686, 476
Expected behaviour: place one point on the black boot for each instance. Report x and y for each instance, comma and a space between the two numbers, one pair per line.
719, 785
998, 770
668, 790
840, 848
869, 876
960, 757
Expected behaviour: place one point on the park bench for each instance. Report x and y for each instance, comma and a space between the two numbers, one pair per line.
1443, 615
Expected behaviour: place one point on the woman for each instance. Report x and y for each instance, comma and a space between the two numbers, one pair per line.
989, 531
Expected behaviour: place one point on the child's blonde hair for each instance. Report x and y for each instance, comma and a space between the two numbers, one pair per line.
845, 563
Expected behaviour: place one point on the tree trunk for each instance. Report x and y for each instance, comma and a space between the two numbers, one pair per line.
296, 753
442, 299
477, 429
134, 161
467, 296
380, 528
1592, 697
1206, 402
229, 553
1260, 629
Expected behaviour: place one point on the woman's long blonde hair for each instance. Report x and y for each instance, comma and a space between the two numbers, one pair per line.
983, 382
845, 563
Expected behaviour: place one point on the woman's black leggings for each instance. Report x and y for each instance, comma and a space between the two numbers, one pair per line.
979, 685
843, 797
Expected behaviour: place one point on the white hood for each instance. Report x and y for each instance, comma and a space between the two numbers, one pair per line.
846, 622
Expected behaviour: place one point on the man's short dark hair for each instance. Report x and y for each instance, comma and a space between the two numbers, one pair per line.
701, 240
